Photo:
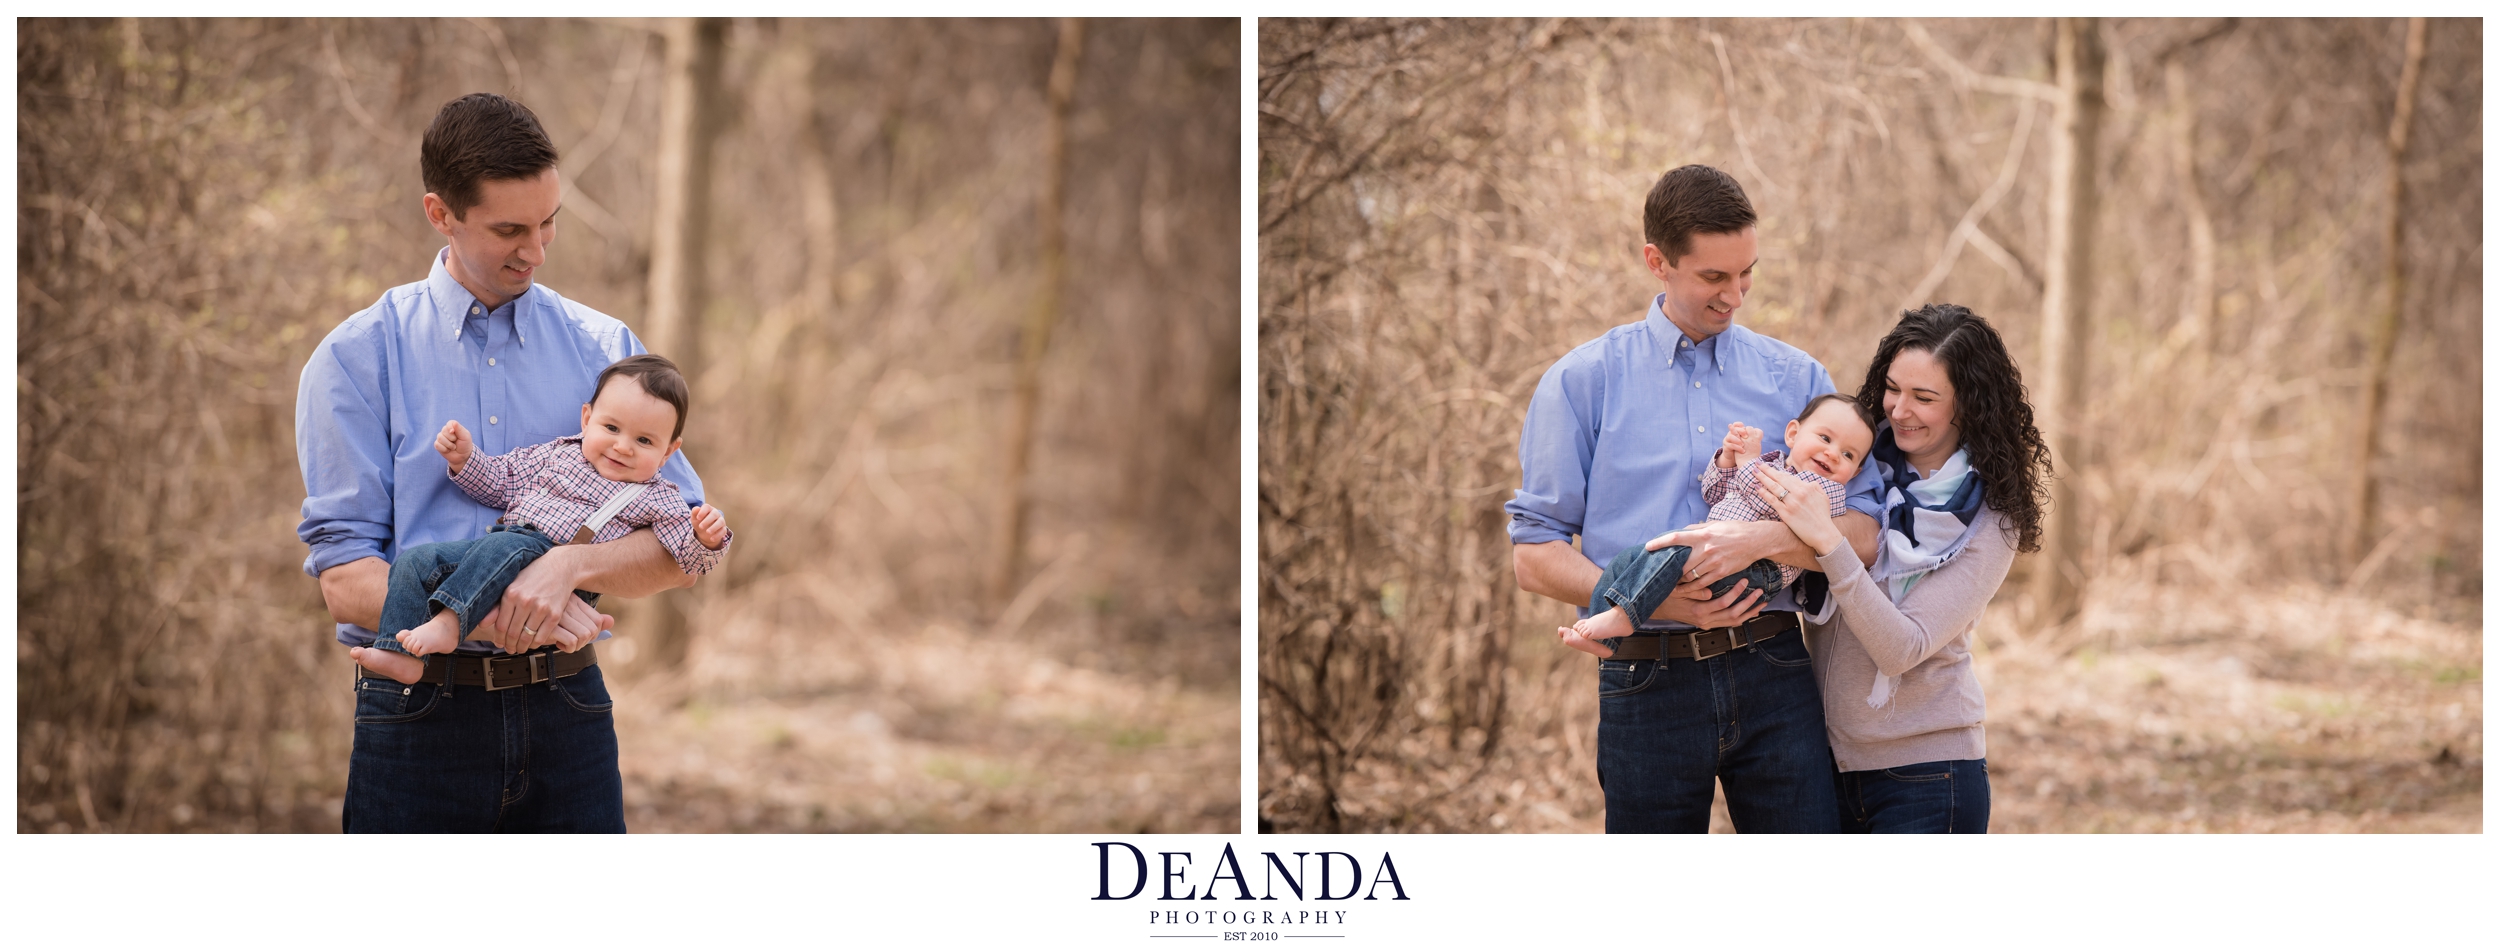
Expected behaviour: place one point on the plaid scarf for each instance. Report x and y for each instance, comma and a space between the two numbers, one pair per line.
1927, 521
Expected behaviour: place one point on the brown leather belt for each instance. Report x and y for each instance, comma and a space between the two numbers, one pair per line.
504, 671
1703, 645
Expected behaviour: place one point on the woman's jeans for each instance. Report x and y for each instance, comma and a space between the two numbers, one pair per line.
466, 577
431, 757
1638, 581
1943, 796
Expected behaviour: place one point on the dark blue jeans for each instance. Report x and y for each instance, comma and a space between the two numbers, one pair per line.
466, 577
1638, 580
1752, 719
437, 758
1943, 796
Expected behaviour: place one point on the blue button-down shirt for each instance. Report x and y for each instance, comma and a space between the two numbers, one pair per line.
1620, 428
382, 384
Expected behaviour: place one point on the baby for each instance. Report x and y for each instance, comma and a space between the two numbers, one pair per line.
1827, 442
594, 487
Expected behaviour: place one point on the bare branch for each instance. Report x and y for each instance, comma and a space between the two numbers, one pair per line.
1965, 77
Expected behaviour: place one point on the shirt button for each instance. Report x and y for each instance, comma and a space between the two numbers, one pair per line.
490, 361
472, 308
494, 420
1695, 429
1696, 383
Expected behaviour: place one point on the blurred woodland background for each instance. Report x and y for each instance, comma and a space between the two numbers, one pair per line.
2247, 637
878, 247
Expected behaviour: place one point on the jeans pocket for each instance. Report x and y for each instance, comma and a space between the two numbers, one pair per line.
383, 700
1922, 773
1623, 678
586, 692
1785, 651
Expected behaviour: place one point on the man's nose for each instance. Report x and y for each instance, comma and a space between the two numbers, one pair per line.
534, 249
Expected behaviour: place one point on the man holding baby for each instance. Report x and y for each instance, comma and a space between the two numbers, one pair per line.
515, 734
1709, 688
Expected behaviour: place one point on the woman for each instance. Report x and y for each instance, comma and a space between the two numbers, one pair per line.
1963, 469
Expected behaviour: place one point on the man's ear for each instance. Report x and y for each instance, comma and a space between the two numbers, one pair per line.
1656, 260
438, 213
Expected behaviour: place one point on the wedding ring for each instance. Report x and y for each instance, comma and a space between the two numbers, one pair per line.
1783, 495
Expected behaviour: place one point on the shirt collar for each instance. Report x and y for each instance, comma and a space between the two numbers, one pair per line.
1672, 342
452, 301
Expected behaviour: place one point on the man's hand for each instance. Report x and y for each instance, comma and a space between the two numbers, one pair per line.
540, 601
576, 628
455, 445
710, 528
1721, 549
1692, 604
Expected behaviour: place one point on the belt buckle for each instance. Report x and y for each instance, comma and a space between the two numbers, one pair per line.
487, 664
1695, 640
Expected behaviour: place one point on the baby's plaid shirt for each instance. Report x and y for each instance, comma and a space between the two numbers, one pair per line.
554, 487
1730, 493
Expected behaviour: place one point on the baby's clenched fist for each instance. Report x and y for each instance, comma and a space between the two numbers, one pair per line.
454, 443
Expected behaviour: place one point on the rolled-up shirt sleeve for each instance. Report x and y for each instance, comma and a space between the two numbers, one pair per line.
342, 442
1557, 442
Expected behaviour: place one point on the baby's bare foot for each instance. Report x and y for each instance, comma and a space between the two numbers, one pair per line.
1585, 635
440, 635
1608, 623
1572, 638
392, 664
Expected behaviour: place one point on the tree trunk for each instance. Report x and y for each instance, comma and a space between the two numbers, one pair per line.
2066, 306
682, 199
2196, 317
2391, 313
1008, 543
680, 224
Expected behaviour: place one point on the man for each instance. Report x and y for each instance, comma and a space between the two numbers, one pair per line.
484, 741
1612, 451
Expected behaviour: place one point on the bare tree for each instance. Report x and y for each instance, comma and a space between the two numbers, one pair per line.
2196, 313
1042, 318
2391, 312
681, 224
2066, 304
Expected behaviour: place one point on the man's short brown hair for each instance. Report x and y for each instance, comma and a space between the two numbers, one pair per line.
1695, 199
657, 376
477, 138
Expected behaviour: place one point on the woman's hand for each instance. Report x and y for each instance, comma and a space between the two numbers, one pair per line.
1804, 508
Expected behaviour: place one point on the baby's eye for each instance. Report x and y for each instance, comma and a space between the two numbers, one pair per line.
645, 440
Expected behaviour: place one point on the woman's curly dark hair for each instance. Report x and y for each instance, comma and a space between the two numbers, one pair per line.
1991, 408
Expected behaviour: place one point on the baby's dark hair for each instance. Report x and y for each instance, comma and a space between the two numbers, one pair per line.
657, 376
1854, 408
